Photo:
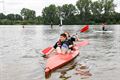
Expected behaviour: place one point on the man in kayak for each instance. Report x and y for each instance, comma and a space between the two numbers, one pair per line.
62, 45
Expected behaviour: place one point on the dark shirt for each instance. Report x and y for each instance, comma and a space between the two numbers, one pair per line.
70, 40
58, 44
67, 42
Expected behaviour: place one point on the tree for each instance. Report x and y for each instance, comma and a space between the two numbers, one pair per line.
115, 18
67, 12
39, 20
2, 16
10, 17
109, 6
109, 9
84, 9
50, 15
97, 11
68, 9
14, 17
85, 12
28, 14
18, 17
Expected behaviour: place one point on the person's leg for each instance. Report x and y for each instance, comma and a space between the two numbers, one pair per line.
58, 50
64, 48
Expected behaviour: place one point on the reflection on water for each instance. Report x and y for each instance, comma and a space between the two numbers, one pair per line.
20, 57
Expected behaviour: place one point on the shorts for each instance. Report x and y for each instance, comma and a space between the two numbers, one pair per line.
65, 47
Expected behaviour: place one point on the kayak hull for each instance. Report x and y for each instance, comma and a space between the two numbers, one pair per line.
103, 31
59, 60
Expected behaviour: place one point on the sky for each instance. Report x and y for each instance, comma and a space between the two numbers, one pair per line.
15, 6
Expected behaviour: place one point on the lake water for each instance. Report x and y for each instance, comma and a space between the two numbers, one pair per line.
20, 57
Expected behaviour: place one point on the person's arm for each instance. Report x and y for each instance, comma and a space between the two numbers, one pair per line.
77, 38
51, 51
54, 47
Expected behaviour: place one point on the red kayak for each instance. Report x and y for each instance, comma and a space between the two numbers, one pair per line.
59, 60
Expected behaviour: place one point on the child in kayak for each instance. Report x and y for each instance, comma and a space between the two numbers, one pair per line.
71, 40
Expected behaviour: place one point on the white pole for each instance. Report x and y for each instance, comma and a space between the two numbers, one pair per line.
61, 21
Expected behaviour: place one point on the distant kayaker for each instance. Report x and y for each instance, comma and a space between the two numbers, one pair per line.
104, 27
51, 24
23, 26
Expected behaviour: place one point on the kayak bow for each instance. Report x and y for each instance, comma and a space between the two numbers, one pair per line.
59, 60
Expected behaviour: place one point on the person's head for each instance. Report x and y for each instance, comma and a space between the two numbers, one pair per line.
67, 34
63, 37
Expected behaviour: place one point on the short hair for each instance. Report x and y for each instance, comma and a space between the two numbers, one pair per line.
64, 35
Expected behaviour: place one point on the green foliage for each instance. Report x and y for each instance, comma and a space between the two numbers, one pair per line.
84, 9
84, 12
50, 15
28, 14
14, 17
2, 16
67, 12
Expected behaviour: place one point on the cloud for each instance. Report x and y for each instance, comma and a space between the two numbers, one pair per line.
117, 2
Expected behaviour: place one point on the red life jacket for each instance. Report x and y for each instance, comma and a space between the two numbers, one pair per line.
59, 43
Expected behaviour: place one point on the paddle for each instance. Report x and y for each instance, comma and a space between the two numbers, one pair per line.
82, 43
46, 50
85, 28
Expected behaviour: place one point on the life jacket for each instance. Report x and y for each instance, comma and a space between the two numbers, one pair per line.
59, 43
70, 40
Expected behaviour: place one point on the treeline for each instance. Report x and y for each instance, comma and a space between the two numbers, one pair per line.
26, 17
84, 12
